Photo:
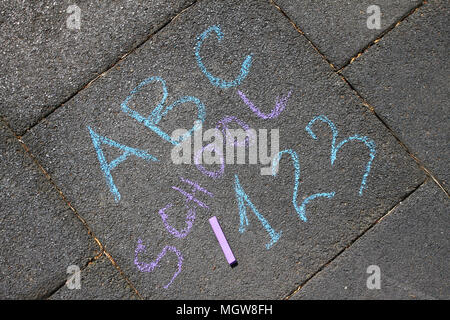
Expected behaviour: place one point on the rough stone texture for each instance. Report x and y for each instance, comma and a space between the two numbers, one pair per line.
410, 246
339, 27
405, 77
39, 235
100, 280
44, 63
283, 61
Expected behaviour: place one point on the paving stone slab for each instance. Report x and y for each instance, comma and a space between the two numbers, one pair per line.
135, 231
99, 281
405, 77
40, 235
44, 62
410, 248
339, 27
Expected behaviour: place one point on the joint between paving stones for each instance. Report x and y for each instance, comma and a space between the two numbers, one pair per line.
114, 263
107, 69
389, 212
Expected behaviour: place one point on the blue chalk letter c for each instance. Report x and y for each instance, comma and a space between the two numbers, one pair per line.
245, 68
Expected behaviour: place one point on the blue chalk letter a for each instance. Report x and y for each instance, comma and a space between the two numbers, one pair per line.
106, 167
243, 201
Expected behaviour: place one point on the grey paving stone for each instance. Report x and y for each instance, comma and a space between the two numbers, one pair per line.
339, 27
39, 235
410, 247
282, 61
99, 281
44, 62
405, 77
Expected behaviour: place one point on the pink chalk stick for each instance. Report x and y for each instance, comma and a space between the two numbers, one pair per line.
222, 240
